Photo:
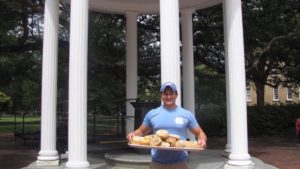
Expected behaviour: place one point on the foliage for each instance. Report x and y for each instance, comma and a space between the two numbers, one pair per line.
148, 58
212, 118
106, 73
275, 121
210, 96
5, 103
210, 86
278, 121
209, 38
20, 25
271, 45
271, 34
20, 46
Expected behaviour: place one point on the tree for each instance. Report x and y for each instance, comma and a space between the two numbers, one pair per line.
271, 31
21, 30
106, 68
271, 35
209, 38
20, 49
5, 103
20, 25
148, 57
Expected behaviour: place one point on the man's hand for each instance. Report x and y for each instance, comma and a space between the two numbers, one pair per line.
202, 142
142, 130
130, 136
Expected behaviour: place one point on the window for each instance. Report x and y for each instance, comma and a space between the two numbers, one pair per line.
275, 72
289, 94
275, 94
248, 94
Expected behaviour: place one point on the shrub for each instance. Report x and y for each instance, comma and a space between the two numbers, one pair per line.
272, 121
212, 118
5, 103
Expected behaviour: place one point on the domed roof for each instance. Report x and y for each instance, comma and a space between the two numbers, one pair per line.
144, 6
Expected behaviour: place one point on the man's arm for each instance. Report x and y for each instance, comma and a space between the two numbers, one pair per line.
141, 131
201, 136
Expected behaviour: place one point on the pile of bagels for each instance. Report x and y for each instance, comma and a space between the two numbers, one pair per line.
164, 139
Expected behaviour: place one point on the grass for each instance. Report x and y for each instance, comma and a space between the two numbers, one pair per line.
31, 124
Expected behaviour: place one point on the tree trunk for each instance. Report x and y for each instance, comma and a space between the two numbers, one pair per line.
260, 93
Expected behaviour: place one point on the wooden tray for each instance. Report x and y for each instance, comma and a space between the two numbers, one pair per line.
164, 148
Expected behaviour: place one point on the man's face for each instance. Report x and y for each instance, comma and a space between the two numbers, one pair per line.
168, 97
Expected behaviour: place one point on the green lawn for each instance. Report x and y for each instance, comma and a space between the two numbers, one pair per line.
31, 124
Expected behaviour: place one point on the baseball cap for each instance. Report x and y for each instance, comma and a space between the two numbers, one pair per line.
168, 84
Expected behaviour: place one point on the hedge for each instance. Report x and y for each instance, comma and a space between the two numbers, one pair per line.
275, 121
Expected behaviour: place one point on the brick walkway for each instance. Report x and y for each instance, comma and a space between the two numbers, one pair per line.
282, 153
279, 152
15, 155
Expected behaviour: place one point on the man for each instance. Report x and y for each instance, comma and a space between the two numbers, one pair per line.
175, 120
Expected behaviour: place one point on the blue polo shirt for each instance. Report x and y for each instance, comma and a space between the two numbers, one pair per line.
175, 121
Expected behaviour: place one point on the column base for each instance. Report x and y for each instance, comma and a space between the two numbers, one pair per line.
47, 163
47, 158
225, 153
227, 150
228, 166
84, 164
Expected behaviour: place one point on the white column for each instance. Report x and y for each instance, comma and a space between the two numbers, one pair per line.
188, 60
131, 67
228, 145
78, 86
239, 156
188, 80
48, 154
170, 49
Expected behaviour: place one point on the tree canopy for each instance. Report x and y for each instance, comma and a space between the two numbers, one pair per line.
271, 42
271, 35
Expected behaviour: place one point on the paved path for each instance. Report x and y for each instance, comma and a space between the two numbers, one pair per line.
15, 155
281, 153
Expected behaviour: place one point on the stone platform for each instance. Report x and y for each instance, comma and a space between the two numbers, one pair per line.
128, 159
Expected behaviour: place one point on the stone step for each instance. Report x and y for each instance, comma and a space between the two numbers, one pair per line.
126, 160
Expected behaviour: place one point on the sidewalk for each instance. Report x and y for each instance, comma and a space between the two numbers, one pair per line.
15, 155
281, 153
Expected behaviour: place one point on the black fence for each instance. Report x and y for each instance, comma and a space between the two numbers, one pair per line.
105, 121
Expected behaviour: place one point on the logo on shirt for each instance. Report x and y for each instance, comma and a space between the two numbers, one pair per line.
179, 120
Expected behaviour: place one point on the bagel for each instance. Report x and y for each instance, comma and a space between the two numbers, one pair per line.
137, 139
165, 144
163, 134
179, 144
155, 140
191, 144
171, 140
177, 137
145, 141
